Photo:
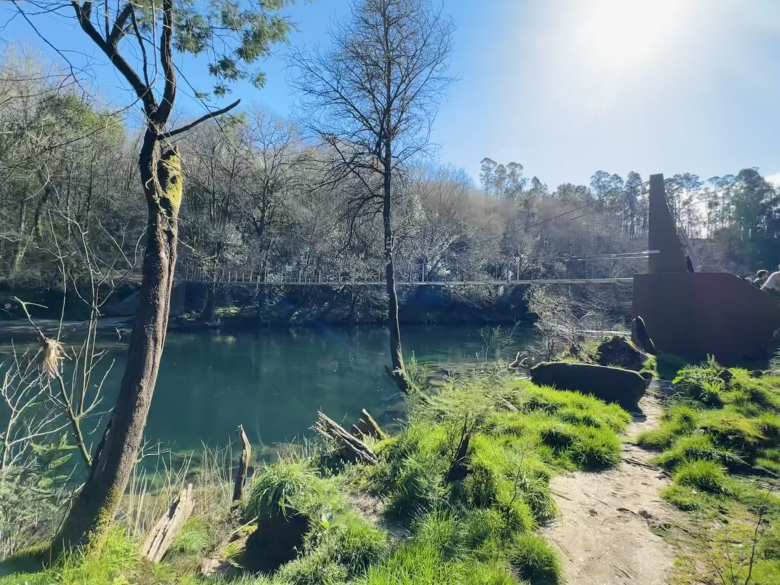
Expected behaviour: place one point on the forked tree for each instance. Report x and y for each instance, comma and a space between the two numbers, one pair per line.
141, 39
372, 99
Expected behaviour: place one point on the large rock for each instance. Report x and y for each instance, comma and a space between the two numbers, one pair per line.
623, 387
619, 351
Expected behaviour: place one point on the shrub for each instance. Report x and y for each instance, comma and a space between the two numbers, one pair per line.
288, 499
534, 560
707, 476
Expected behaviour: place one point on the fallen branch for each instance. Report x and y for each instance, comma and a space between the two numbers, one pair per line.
352, 448
168, 527
368, 427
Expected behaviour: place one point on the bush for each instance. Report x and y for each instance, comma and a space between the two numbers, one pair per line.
288, 499
707, 476
534, 560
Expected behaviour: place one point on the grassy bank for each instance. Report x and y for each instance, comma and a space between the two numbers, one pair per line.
719, 441
455, 497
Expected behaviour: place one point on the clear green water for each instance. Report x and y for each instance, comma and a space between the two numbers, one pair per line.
273, 382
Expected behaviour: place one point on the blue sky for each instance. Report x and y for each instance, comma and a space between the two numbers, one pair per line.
565, 87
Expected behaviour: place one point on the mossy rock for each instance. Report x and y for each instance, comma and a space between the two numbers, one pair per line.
619, 351
623, 387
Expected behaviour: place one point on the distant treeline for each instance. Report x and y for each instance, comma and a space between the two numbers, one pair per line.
258, 198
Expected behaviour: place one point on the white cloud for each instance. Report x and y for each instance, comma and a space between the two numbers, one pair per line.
774, 178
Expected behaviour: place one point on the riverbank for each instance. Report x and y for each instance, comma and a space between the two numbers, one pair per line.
238, 306
456, 496
466, 490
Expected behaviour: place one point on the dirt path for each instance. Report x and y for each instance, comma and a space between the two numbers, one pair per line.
607, 527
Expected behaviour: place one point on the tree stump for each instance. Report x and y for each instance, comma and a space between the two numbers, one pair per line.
161, 537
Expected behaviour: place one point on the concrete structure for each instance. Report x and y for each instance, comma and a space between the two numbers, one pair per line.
699, 314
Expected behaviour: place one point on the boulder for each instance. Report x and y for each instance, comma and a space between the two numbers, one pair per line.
619, 351
624, 387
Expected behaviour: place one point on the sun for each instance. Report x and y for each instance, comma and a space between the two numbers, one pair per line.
615, 35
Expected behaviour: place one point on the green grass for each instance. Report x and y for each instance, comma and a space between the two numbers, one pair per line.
116, 564
719, 438
720, 415
706, 476
472, 526
534, 560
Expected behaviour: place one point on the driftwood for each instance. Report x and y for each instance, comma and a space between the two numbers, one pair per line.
368, 427
243, 466
168, 527
352, 448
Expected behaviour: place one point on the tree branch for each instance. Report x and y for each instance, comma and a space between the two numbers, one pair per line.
200, 120
166, 58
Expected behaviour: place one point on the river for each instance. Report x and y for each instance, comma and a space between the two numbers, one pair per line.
274, 381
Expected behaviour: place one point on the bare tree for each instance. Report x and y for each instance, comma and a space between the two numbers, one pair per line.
372, 100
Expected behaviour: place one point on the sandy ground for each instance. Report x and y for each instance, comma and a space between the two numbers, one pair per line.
607, 527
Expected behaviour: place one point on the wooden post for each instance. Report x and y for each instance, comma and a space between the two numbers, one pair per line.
161, 537
243, 466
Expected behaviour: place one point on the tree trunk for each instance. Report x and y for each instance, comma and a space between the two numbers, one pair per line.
209, 309
94, 508
393, 322
21, 245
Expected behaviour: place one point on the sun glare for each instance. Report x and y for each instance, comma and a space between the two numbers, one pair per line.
619, 34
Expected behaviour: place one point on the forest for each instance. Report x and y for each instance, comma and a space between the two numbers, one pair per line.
260, 198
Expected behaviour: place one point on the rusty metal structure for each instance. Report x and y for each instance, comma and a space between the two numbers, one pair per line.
696, 314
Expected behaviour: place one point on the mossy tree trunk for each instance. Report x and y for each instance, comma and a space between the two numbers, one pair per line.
95, 507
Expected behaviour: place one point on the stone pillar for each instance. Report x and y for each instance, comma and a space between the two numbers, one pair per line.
663, 238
